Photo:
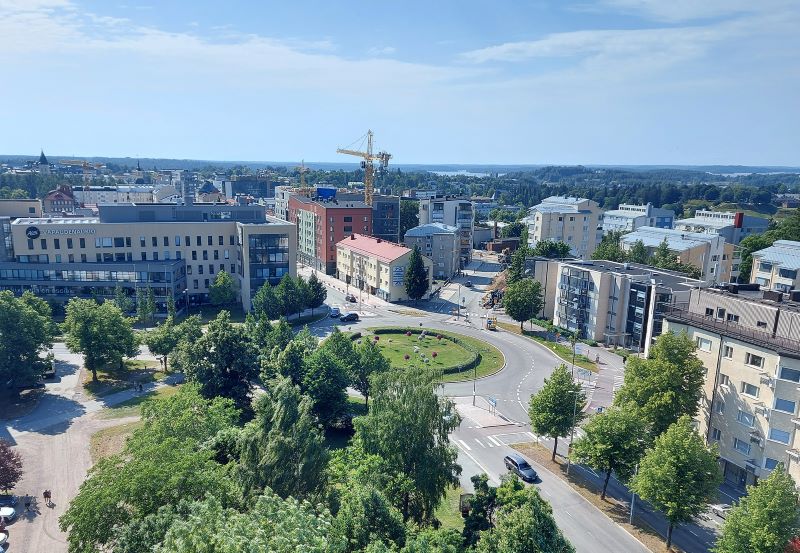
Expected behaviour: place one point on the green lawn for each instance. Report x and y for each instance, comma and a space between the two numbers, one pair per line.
110, 380
133, 406
564, 352
448, 512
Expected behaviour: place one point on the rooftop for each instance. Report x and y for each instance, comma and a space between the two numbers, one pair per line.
431, 228
368, 245
785, 253
560, 204
678, 240
637, 271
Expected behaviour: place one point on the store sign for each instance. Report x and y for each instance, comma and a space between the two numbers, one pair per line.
62, 231
397, 276
32, 233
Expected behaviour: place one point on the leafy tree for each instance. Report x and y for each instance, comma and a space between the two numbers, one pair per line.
325, 381
266, 303
409, 216
317, 292
765, 520
679, 475
551, 249
145, 305
612, 442
341, 347
416, 277
523, 236
288, 295
366, 516
282, 448
26, 332
609, 248
557, 407
163, 339
662, 255
512, 230
638, 253
516, 269
290, 363
10, 466
122, 299
222, 290
408, 428
370, 362
482, 510
429, 540
171, 306
222, 361
666, 385
523, 300
100, 332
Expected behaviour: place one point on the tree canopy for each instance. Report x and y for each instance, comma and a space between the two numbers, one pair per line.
557, 406
223, 290
26, 333
416, 275
523, 300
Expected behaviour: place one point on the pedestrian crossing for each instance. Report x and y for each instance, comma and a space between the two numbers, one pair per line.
496, 440
619, 380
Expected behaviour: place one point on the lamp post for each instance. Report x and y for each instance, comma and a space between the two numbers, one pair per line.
186, 293
458, 303
573, 340
633, 497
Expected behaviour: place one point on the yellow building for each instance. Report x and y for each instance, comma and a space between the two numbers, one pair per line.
376, 266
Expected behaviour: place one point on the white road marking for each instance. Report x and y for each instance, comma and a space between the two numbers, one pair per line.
465, 445
532, 435
494, 440
479, 442
492, 478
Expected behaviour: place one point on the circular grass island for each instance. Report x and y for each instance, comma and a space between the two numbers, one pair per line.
458, 357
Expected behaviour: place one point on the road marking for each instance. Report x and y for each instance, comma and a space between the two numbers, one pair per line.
494, 440
568, 514
479, 442
465, 445
492, 478
532, 435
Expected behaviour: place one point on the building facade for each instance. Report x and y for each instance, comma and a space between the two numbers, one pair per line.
176, 250
438, 242
574, 221
386, 217
375, 266
748, 342
776, 267
733, 227
455, 212
629, 217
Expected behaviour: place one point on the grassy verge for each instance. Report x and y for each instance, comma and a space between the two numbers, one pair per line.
110, 380
111, 440
564, 352
615, 510
209, 312
448, 512
308, 319
133, 406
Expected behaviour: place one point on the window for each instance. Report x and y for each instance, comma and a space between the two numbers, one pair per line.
144, 256
166, 240
220, 240
745, 418
194, 255
141, 242
211, 268
210, 240
232, 241
720, 313
770, 463
154, 241
716, 434
709, 312
784, 405
779, 435
348, 219
177, 240
196, 284
790, 374
71, 258
188, 269
761, 324
56, 243
703, 344
727, 352
166, 254
754, 360
724, 380
82, 242
58, 258
225, 254
348, 228
749, 389
155, 256
741, 446
187, 240
83, 258
720, 407
206, 283
199, 269
205, 255
765, 267
43, 243
733, 318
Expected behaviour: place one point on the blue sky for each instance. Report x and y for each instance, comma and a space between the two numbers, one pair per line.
591, 81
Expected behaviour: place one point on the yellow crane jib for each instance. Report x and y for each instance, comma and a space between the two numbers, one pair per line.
368, 160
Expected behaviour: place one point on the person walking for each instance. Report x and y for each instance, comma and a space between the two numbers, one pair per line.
27, 503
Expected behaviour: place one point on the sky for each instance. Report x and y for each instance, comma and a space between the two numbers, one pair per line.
464, 81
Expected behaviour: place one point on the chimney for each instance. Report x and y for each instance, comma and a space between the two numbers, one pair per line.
352, 237
379, 240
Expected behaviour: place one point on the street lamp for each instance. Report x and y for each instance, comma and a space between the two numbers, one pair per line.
573, 340
633, 497
186, 293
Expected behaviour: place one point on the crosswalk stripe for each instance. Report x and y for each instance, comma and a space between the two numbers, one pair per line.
494, 440
465, 445
479, 442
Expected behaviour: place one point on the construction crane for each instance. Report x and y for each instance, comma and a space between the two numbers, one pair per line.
86, 165
302, 169
367, 165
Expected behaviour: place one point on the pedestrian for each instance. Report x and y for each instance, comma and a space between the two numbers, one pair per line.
44, 496
27, 503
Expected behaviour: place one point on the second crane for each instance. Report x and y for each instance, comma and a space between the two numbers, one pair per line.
368, 164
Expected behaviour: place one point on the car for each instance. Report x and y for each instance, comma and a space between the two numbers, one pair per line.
7, 500
519, 466
349, 318
335, 312
351, 298
8, 513
50, 371
468, 284
721, 510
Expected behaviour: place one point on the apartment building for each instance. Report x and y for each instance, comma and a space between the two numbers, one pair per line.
95, 195
438, 242
749, 343
456, 212
733, 227
776, 267
176, 250
629, 217
618, 304
375, 266
710, 253
574, 221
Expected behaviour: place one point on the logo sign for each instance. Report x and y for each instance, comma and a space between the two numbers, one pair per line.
397, 276
32, 233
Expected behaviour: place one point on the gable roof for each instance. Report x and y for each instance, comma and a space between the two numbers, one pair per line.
375, 247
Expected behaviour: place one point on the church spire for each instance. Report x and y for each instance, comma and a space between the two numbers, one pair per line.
43, 159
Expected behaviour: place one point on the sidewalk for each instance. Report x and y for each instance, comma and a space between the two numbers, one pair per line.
336, 284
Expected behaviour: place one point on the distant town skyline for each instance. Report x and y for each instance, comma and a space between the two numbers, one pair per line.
593, 82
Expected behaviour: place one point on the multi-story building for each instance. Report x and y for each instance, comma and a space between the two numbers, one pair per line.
385, 217
60, 200
438, 242
733, 227
456, 212
176, 250
322, 224
716, 258
574, 221
120, 194
375, 266
629, 217
776, 267
282, 195
749, 343
20, 208
247, 185
619, 304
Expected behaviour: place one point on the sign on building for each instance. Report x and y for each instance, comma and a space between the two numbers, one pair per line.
397, 276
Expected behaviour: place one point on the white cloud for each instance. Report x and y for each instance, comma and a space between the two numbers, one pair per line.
381, 51
688, 10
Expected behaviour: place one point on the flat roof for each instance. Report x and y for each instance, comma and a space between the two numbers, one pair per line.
431, 228
637, 270
56, 221
785, 253
678, 240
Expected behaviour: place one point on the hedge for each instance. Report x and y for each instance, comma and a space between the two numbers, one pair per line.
469, 365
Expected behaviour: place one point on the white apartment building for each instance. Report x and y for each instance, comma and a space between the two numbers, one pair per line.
776, 267
733, 227
574, 221
629, 217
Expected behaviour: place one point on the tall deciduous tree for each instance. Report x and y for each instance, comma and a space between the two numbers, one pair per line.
122, 299
552, 249
370, 362
765, 520
516, 269
288, 295
266, 303
367, 517
557, 407
522, 300
613, 442
679, 475
325, 381
416, 277
10, 466
609, 247
145, 305
408, 428
666, 385
163, 339
409, 216
638, 253
100, 332
317, 293
26, 332
222, 290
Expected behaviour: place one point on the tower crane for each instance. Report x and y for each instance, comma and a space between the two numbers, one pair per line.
367, 163
302, 169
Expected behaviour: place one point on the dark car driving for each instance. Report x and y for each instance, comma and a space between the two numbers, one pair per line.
519, 466
349, 318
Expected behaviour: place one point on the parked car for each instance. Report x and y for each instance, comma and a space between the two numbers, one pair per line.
351, 298
7, 500
349, 318
8, 514
468, 284
519, 466
50, 371
335, 312
721, 510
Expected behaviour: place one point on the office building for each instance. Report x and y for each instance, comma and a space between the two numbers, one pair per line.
733, 227
247, 185
176, 250
118, 194
455, 212
574, 221
710, 253
385, 217
618, 304
749, 343
438, 242
776, 267
629, 217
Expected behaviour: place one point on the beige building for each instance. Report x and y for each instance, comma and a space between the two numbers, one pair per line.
376, 266
440, 243
776, 267
749, 343
574, 221
20, 208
